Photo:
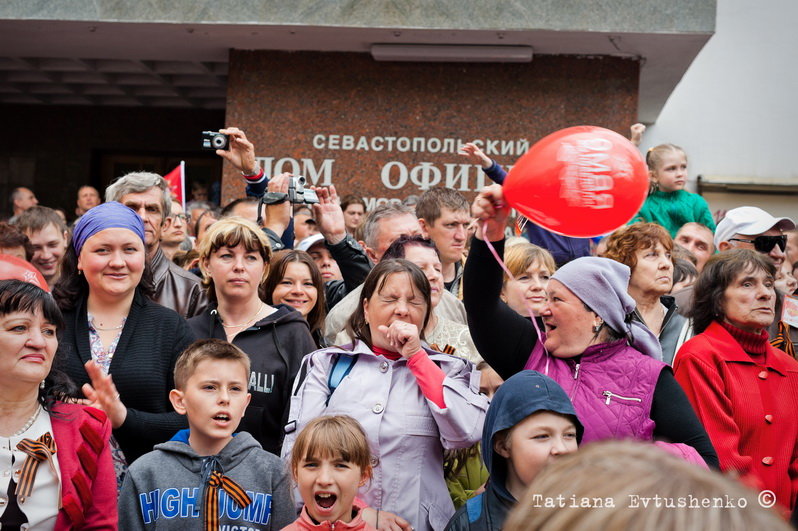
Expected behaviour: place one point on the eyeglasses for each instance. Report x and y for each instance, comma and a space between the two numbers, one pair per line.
765, 244
185, 217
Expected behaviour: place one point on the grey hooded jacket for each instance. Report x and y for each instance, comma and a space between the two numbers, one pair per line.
164, 488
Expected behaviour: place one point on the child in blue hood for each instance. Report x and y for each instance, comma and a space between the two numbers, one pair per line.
530, 421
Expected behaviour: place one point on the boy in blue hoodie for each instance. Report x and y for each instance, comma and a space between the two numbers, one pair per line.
206, 477
530, 421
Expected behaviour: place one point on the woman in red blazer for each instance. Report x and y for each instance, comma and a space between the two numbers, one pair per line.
55, 463
744, 391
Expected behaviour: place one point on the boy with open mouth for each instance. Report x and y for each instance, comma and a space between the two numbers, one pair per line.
208, 477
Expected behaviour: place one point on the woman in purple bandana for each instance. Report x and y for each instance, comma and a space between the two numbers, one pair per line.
119, 347
609, 364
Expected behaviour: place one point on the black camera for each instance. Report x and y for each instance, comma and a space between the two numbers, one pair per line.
298, 194
214, 140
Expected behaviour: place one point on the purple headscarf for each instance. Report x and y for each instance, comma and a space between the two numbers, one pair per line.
111, 215
602, 284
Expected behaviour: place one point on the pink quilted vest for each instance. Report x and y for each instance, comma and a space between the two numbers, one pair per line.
611, 386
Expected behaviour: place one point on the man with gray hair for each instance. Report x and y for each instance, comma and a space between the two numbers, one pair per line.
385, 224
148, 195
382, 226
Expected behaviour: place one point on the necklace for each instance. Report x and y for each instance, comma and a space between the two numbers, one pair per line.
251, 319
30, 421
106, 329
101, 329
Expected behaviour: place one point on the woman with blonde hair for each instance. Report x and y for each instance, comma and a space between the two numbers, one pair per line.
531, 267
234, 258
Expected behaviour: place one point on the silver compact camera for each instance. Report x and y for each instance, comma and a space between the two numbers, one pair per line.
298, 194
214, 140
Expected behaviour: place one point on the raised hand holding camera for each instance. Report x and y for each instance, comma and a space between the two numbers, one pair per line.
215, 141
232, 145
278, 215
296, 193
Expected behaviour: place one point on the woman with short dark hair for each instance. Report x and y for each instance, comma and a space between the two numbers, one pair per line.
646, 249
57, 470
411, 401
295, 280
744, 390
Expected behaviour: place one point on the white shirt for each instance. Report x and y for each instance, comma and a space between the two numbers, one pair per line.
41, 508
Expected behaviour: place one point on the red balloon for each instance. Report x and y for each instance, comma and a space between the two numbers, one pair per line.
581, 181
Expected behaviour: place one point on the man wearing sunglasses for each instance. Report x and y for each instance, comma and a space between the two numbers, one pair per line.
752, 228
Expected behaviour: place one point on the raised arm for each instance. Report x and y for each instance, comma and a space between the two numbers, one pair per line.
241, 153
476, 156
502, 336
351, 259
636, 133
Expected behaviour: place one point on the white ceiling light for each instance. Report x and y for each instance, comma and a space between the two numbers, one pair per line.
447, 53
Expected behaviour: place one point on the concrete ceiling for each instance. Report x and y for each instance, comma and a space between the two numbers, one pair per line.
185, 65
121, 82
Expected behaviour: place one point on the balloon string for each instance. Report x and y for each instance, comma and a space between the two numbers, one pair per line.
526, 302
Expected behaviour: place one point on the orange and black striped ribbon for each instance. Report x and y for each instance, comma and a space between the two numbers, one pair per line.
783, 341
41, 449
448, 349
233, 489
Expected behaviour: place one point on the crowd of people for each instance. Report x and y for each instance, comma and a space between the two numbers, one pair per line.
430, 364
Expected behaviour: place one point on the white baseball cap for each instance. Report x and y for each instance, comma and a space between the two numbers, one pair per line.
748, 221
309, 242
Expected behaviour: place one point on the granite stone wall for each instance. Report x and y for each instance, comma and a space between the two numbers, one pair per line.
387, 130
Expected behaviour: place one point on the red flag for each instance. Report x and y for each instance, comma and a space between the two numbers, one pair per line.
177, 183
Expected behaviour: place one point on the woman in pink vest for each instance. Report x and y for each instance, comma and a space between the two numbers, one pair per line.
608, 363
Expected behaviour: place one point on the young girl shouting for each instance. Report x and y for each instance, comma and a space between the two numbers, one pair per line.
330, 461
